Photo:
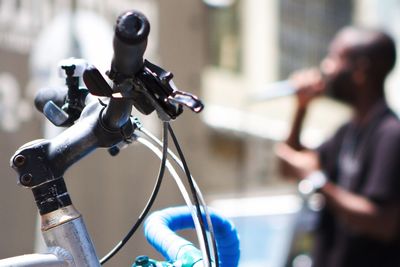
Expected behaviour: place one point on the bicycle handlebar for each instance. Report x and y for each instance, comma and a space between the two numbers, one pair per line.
130, 41
99, 125
160, 229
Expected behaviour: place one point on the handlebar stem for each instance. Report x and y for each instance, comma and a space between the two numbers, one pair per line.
43, 160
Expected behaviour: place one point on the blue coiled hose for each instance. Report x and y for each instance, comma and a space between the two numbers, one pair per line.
160, 228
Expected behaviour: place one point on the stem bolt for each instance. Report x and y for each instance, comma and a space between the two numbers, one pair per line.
19, 160
26, 179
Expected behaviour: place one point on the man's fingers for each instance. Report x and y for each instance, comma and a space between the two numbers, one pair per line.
288, 154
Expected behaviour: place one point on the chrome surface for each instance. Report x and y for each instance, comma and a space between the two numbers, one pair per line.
69, 232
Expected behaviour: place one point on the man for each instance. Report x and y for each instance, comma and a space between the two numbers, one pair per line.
358, 169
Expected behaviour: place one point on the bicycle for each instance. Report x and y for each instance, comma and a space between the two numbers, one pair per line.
99, 116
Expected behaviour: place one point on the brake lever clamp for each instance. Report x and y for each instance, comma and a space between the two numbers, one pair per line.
130, 136
156, 83
150, 89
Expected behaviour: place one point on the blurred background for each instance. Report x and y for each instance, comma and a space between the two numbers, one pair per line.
221, 50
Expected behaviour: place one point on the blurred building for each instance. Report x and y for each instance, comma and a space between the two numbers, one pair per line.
220, 50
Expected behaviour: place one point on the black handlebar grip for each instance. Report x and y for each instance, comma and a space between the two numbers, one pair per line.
130, 40
55, 94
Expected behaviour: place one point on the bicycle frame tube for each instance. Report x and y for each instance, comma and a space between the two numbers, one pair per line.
69, 244
34, 260
65, 228
55, 257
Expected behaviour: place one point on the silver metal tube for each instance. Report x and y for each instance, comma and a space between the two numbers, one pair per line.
65, 228
34, 260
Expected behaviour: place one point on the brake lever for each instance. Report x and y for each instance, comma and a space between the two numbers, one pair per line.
158, 83
95, 82
186, 99
175, 96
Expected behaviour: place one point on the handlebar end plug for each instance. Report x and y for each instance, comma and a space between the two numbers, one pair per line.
132, 27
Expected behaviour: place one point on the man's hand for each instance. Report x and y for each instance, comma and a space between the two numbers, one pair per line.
309, 84
297, 163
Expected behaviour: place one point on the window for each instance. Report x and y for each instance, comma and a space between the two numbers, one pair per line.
306, 28
224, 37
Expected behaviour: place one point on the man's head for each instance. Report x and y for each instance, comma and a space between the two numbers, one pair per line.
358, 62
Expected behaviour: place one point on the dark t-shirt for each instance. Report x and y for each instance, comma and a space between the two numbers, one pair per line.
364, 160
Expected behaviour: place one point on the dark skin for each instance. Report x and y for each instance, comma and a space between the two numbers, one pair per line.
364, 88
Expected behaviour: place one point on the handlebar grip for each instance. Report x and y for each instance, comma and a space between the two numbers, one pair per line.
44, 95
160, 227
130, 40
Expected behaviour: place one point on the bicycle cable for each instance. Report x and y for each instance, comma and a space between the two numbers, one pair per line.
192, 188
184, 193
149, 203
200, 195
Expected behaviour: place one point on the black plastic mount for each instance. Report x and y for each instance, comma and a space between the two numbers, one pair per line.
66, 113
